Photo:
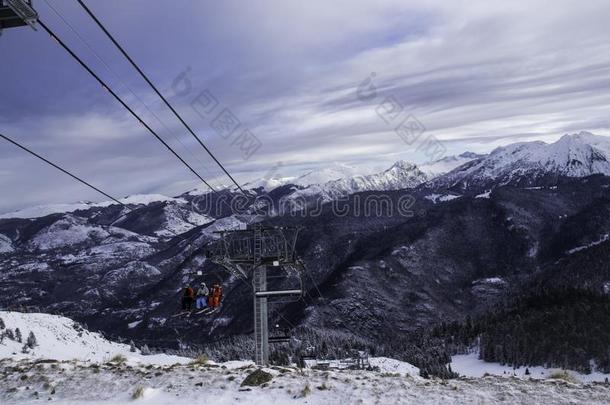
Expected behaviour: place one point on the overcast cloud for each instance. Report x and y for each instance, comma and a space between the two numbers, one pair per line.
477, 74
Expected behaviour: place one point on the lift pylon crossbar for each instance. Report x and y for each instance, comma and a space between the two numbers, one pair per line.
278, 293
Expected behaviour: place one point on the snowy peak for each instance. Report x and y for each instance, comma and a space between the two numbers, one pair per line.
400, 175
574, 155
401, 165
336, 171
531, 163
448, 163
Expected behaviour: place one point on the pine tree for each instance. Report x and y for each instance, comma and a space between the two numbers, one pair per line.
10, 334
132, 346
145, 350
31, 342
527, 371
18, 336
2, 325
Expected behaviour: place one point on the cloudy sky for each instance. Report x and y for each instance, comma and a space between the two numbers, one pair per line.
315, 82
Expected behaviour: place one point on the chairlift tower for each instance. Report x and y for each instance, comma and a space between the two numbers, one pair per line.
251, 254
17, 13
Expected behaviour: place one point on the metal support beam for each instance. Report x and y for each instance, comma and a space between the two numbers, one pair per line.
261, 319
277, 293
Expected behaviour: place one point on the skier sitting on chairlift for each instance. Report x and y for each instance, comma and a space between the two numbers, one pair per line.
187, 298
215, 296
202, 296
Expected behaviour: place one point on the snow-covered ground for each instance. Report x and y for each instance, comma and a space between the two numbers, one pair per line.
60, 338
73, 366
71, 383
469, 365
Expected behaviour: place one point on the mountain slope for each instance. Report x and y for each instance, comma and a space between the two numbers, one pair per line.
60, 338
448, 163
44, 210
532, 164
400, 175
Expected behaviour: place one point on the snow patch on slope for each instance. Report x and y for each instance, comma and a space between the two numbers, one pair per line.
61, 338
178, 221
603, 239
470, 365
486, 194
6, 245
436, 198
388, 365
67, 231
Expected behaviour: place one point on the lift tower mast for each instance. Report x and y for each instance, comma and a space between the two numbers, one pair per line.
251, 254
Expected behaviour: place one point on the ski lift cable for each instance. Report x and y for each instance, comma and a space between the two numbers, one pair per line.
315, 285
117, 76
31, 152
167, 103
75, 177
126, 86
120, 100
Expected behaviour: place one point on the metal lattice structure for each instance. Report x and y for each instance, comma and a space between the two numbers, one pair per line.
259, 245
251, 254
17, 13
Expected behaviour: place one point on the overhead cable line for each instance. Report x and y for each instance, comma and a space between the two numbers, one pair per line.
106, 87
31, 152
126, 86
167, 103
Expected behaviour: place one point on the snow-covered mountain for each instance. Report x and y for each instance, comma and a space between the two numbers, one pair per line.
533, 163
448, 163
334, 171
400, 175
44, 210
526, 163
